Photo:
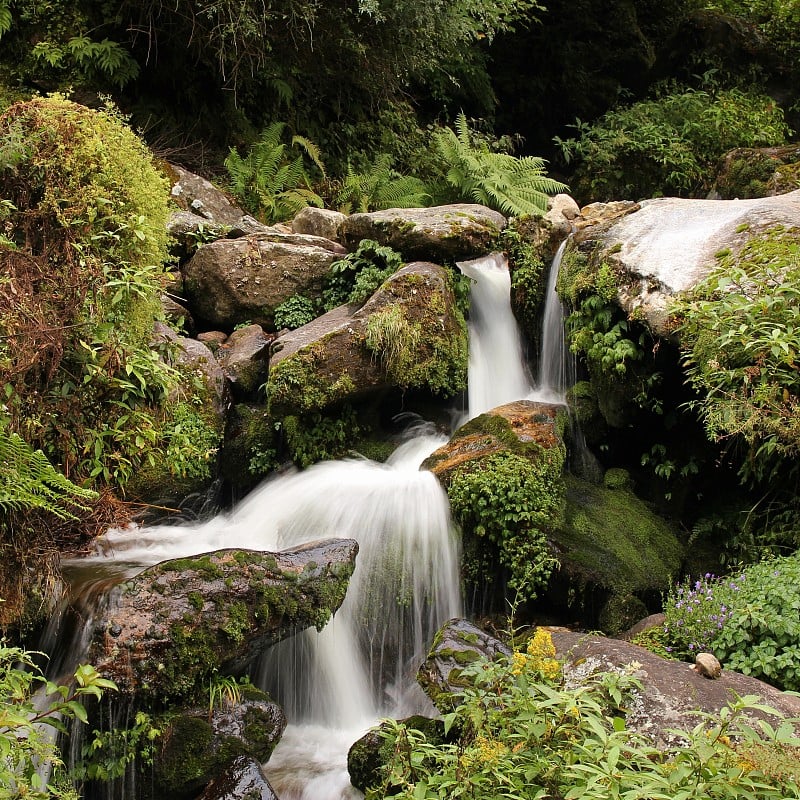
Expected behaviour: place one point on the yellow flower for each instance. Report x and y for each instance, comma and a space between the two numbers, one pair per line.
518, 662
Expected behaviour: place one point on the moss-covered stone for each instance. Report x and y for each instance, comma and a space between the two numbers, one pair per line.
758, 172
610, 538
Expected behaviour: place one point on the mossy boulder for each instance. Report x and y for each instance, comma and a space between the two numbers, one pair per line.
441, 233
611, 539
758, 172
457, 644
170, 628
408, 334
244, 358
369, 757
197, 746
249, 451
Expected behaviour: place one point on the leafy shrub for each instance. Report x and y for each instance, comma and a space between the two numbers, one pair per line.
521, 733
512, 502
741, 342
317, 437
670, 144
273, 181
354, 278
750, 621
294, 313
475, 174
82, 276
24, 744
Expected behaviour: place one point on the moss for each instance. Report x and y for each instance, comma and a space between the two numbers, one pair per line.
297, 384
614, 540
621, 612
196, 600
616, 478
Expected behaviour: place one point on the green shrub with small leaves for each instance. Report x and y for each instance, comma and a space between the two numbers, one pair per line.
354, 278
294, 312
513, 502
520, 733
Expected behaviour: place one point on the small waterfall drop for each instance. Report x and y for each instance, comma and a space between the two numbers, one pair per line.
553, 378
497, 370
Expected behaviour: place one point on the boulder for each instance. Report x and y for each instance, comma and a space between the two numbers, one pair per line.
672, 690
242, 780
244, 357
198, 196
668, 245
250, 449
177, 314
457, 644
232, 281
318, 222
170, 628
198, 748
408, 334
522, 427
441, 234
758, 172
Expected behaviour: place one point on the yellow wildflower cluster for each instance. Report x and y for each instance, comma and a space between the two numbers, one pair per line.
539, 656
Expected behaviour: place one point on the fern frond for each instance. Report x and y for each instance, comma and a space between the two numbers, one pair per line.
311, 150
29, 481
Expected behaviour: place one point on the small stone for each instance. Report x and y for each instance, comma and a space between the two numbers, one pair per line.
707, 665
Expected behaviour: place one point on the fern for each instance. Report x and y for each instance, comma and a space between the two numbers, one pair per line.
5, 17
29, 481
270, 181
381, 187
501, 181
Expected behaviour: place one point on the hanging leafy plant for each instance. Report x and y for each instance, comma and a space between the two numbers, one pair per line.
476, 174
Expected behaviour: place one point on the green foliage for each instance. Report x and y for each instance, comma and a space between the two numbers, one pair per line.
749, 620
81, 287
391, 336
273, 181
294, 313
669, 144
224, 691
741, 341
24, 744
28, 480
475, 174
513, 502
106, 755
380, 187
527, 269
318, 437
354, 278
521, 733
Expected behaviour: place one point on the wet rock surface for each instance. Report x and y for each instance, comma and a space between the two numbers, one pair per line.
175, 624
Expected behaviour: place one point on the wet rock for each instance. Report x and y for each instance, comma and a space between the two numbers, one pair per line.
232, 281
221, 751
318, 222
244, 357
523, 427
440, 234
183, 620
457, 644
369, 757
243, 780
408, 334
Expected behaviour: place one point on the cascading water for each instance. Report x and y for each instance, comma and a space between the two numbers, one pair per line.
336, 683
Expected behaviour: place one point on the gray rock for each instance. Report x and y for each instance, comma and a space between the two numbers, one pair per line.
668, 245
243, 780
457, 644
200, 197
232, 281
167, 630
327, 361
244, 357
318, 222
440, 234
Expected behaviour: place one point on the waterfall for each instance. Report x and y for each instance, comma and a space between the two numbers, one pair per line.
497, 370
336, 683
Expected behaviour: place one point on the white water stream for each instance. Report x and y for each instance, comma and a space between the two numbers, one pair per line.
337, 683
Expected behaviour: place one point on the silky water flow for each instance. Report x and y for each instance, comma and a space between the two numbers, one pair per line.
336, 683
